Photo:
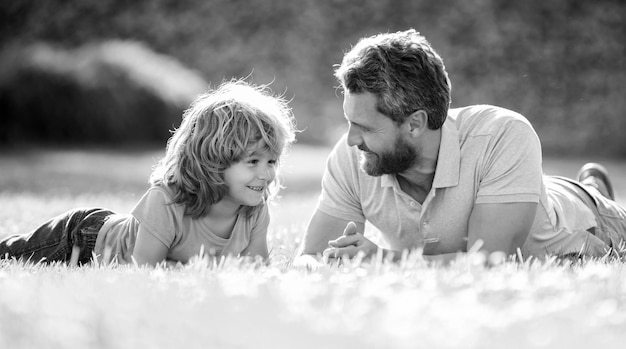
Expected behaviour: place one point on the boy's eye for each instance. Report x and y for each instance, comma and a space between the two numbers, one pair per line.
256, 161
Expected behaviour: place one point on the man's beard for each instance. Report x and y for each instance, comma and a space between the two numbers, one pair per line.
395, 161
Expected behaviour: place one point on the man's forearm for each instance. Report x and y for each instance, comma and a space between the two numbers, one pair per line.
444, 258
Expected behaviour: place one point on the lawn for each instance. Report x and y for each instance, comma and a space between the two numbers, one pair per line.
233, 304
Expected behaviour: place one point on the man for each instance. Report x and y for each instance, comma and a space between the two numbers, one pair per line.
442, 180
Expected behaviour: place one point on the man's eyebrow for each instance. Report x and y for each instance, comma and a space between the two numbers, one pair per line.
354, 123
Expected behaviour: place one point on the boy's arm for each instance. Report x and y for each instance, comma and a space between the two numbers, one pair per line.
257, 245
148, 249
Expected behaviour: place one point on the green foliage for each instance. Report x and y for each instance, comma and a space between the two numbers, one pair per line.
113, 92
560, 63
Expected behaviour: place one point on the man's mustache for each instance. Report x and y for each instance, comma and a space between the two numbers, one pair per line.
364, 148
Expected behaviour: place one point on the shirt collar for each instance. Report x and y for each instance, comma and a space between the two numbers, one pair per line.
448, 160
387, 180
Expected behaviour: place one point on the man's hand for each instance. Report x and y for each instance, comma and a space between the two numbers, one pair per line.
350, 244
307, 261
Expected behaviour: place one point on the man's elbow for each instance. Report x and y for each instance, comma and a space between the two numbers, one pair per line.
310, 249
518, 241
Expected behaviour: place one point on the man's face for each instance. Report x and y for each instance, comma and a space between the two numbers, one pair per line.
384, 149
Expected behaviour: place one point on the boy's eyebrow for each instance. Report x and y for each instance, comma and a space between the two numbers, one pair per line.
258, 151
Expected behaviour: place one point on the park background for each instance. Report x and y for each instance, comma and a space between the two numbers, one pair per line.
121, 72
89, 91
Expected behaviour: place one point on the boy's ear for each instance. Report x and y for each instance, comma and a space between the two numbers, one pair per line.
418, 122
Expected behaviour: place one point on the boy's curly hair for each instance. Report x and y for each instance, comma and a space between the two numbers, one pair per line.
220, 128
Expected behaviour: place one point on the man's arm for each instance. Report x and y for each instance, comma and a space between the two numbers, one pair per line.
335, 238
322, 229
501, 227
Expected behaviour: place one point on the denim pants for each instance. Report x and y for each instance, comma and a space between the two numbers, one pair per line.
55, 239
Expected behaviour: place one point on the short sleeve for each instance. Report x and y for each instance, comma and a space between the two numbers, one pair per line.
340, 184
511, 171
156, 213
260, 225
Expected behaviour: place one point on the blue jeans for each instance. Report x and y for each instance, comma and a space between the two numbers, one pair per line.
54, 240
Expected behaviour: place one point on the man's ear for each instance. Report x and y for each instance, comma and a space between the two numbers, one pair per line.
418, 122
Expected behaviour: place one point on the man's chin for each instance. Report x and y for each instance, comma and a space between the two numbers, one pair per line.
370, 169
376, 169
371, 165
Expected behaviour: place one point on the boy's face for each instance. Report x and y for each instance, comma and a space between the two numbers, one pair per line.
248, 180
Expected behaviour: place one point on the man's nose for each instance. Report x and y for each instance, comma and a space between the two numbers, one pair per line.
354, 137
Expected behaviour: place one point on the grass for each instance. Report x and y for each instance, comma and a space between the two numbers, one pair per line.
237, 304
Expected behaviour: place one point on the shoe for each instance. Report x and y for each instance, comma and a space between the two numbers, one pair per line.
591, 169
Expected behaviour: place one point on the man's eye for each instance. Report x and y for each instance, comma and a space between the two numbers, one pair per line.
360, 127
253, 161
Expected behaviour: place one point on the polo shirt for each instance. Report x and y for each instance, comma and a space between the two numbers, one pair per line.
487, 154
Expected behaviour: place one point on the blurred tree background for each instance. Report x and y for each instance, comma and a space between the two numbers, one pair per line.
121, 72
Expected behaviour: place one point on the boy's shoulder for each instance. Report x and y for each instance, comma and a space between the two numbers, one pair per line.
168, 191
158, 196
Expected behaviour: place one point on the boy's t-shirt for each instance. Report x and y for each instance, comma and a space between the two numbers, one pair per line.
184, 236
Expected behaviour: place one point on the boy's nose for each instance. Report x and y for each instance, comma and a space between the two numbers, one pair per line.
265, 173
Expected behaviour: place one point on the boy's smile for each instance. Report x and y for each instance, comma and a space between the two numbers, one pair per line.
259, 189
248, 179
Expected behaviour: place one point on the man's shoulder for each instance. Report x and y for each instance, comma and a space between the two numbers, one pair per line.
484, 113
485, 119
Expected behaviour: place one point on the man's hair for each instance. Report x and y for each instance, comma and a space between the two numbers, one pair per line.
220, 128
403, 71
